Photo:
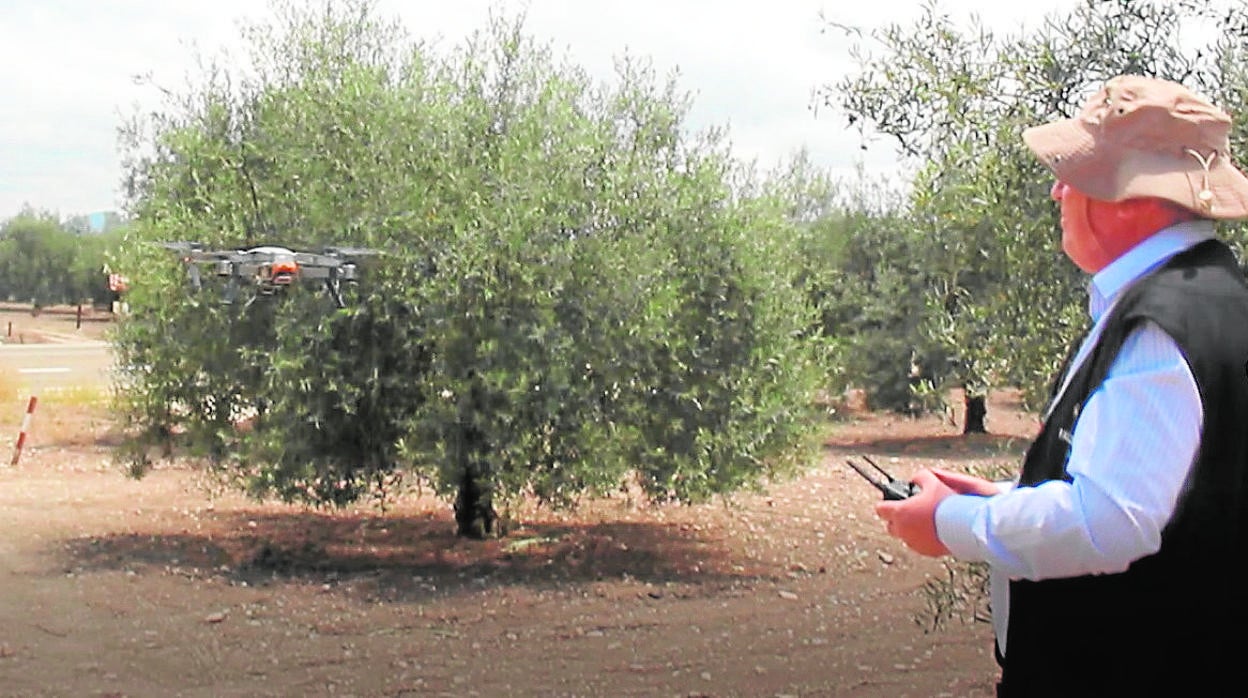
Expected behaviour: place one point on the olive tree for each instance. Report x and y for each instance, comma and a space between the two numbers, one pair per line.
571, 296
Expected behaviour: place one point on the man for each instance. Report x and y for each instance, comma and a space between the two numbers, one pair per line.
1117, 558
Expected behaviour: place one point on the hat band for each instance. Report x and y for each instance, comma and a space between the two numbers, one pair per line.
1205, 195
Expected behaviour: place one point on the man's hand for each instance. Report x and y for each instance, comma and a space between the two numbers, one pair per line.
967, 484
913, 520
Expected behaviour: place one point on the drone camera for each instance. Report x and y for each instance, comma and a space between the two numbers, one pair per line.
347, 272
225, 268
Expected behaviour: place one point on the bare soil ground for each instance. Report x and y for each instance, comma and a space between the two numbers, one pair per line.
168, 587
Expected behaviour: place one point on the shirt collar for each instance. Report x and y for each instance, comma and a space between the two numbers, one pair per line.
1141, 259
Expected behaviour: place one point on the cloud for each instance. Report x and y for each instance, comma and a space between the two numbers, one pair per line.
66, 69
66, 72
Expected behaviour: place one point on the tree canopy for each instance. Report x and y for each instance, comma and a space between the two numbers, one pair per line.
573, 295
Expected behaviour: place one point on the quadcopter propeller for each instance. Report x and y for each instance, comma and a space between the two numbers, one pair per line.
351, 252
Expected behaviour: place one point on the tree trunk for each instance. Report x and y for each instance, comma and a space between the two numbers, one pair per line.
474, 502
474, 506
976, 411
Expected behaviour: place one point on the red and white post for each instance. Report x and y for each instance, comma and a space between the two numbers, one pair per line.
21, 436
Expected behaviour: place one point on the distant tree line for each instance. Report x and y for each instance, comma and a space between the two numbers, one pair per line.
47, 261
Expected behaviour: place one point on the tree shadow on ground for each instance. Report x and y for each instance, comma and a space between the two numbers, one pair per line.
948, 447
409, 558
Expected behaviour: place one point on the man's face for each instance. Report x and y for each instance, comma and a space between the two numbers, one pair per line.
1085, 223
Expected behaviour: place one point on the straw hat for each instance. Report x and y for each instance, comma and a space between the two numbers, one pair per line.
1144, 137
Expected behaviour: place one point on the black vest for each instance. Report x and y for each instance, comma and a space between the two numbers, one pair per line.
1162, 624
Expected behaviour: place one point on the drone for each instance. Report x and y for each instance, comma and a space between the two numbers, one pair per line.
271, 269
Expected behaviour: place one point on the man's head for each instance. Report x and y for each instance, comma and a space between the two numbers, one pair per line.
1142, 154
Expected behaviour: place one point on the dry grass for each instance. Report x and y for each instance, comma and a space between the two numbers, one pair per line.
77, 417
8, 385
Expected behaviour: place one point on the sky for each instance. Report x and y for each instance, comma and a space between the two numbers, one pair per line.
67, 71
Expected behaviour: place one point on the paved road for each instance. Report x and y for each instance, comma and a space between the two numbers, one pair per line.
38, 366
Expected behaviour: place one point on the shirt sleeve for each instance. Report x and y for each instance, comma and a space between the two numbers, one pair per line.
1131, 451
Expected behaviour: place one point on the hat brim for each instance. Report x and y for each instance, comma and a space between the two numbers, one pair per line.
1230, 191
1102, 171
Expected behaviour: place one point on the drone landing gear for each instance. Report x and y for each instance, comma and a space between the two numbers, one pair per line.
334, 286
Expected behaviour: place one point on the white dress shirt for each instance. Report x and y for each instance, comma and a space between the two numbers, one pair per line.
1131, 450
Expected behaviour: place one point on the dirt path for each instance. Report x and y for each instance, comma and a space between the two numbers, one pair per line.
111, 587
